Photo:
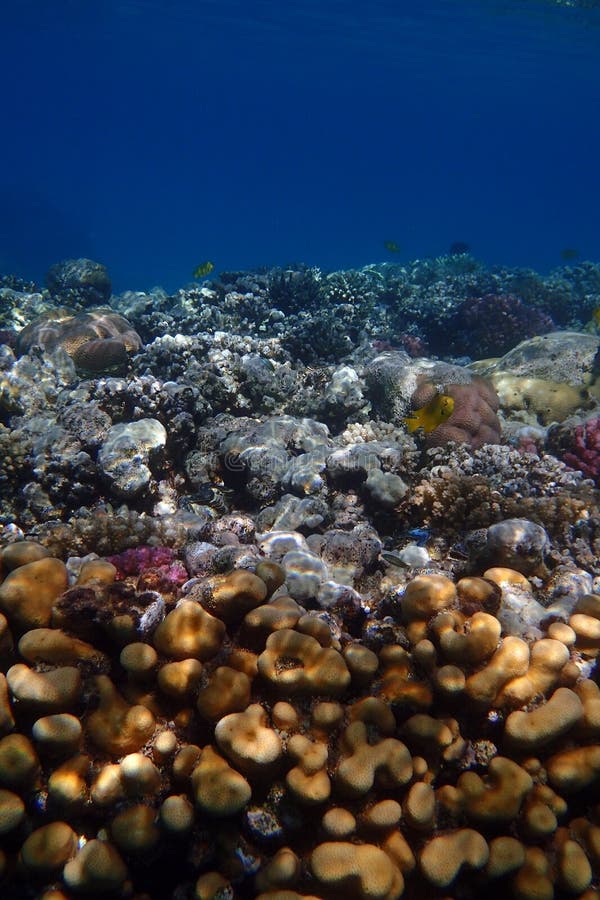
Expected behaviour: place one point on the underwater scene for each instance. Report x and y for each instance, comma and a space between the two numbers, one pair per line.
300, 450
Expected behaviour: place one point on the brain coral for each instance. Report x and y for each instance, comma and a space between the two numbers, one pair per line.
473, 420
97, 340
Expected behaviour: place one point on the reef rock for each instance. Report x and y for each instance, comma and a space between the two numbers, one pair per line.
126, 457
547, 378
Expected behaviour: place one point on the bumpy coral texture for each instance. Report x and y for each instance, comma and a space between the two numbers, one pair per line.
495, 323
461, 762
97, 340
473, 420
585, 453
81, 281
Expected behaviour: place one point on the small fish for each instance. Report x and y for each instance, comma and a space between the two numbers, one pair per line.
208, 494
458, 248
392, 559
419, 535
596, 317
432, 415
569, 254
391, 246
205, 268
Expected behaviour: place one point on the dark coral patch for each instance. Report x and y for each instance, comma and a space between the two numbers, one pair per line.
495, 323
83, 282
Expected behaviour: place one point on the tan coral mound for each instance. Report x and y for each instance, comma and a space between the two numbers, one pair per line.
272, 755
296, 663
362, 871
98, 340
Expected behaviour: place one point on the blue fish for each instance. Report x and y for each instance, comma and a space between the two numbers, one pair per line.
420, 535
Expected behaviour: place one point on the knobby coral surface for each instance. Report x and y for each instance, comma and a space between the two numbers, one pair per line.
222, 740
584, 454
473, 419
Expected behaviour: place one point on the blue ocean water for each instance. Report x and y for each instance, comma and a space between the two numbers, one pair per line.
152, 135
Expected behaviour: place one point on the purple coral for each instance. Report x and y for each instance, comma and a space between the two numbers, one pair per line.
493, 324
156, 567
585, 452
411, 343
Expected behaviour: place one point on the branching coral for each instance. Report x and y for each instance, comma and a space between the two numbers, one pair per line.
492, 324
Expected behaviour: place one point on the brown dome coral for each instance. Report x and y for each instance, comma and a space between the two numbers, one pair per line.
461, 763
98, 340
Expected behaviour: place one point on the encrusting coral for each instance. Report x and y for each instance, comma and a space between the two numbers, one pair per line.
244, 746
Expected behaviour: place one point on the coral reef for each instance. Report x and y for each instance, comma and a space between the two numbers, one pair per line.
495, 323
256, 638
473, 419
80, 282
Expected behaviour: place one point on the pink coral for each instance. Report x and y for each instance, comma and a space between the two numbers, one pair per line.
585, 452
155, 567
411, 343
473, 420
493, 324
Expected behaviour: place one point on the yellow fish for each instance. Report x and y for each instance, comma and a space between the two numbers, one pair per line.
596, 317
205, 268
391, 246
432, 415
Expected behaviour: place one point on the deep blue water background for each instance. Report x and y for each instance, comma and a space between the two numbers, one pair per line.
154, 134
